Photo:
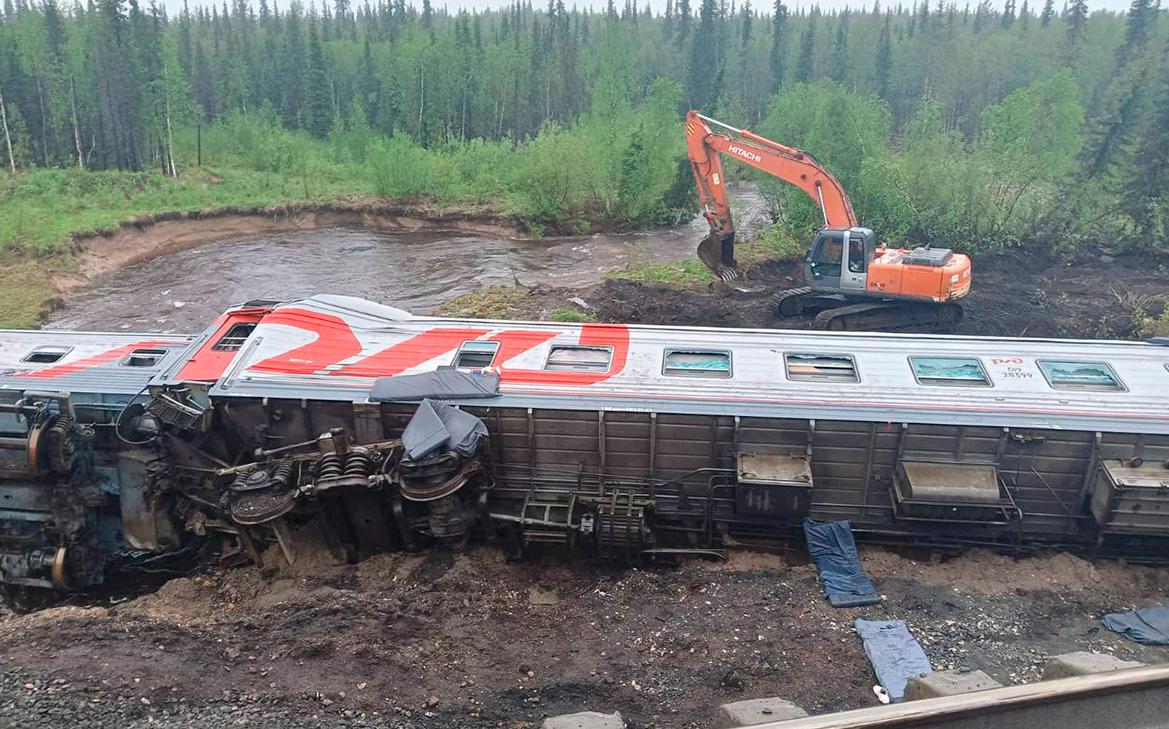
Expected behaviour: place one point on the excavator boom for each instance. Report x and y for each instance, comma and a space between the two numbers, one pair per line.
705, 147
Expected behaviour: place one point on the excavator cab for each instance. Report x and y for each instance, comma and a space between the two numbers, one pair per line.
839, 258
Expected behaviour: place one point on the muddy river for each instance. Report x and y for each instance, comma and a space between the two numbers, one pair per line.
184, 291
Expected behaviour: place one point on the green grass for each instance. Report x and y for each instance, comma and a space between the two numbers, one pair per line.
678, 273
26, 288
42, 207
572, 315
493, 302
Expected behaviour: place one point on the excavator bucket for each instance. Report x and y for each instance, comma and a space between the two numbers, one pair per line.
718, 254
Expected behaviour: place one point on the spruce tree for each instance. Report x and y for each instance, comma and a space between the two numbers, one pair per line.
1077, 19
203, 83
1047, 14
806, 61
840, 57
318, 107
1008, 18
291, 75
705, 62
778, 49
1146, 197
1142, 17
883, 63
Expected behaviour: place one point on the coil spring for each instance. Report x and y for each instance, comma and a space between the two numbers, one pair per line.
330, 466
359, 464
283, 474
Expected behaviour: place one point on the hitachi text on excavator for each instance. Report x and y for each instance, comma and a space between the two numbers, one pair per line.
853, 282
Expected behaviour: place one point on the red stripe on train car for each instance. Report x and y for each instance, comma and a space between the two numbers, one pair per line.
591, 335
107, 356
209, 363
412, 352
513, 343
335, 341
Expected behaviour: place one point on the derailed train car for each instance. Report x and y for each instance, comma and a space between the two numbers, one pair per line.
380, 431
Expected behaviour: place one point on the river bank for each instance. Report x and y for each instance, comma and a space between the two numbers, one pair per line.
150, 271
33, 284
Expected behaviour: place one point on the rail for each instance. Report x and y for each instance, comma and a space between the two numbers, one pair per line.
1136, 698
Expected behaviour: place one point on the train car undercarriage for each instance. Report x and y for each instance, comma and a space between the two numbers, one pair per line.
84, 487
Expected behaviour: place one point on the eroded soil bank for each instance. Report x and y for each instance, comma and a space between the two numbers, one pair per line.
441, 640
151, 236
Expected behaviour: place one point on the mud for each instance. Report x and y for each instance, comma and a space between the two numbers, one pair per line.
468, 640
1015, 294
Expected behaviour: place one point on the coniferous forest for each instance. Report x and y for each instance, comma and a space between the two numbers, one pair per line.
969, 125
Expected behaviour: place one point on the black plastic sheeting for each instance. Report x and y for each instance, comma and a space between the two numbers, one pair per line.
435, 425
895, 654
445, 383
833, 549
1148, 625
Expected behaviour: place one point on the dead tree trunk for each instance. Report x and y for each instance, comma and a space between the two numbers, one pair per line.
170, 137
76, 126
421, 96
7, 134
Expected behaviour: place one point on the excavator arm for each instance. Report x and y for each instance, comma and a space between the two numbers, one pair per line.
705, 146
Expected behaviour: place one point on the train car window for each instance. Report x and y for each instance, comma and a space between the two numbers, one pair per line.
143, 358
46, 355
1064, 375
475, 355
696, 363
821, 367
579, 359
954, 371
235, 337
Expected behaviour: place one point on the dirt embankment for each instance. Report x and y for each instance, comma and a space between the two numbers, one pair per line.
150, 236
469, 640
1016, 293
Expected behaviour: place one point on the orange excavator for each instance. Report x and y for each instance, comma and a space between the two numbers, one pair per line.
852, 281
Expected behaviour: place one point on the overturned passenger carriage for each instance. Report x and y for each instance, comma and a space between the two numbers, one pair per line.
377, 430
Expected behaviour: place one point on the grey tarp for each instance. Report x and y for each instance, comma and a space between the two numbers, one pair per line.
435, 425
894, 652
445, 383
1148, 625
832, 548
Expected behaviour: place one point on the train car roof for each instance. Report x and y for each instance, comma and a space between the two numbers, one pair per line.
335, 347
86, 362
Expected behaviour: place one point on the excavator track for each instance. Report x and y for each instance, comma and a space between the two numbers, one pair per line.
888, 316
790, 301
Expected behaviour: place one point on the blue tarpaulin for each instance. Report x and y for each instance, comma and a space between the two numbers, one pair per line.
1147, 625
895, 654
832, 548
